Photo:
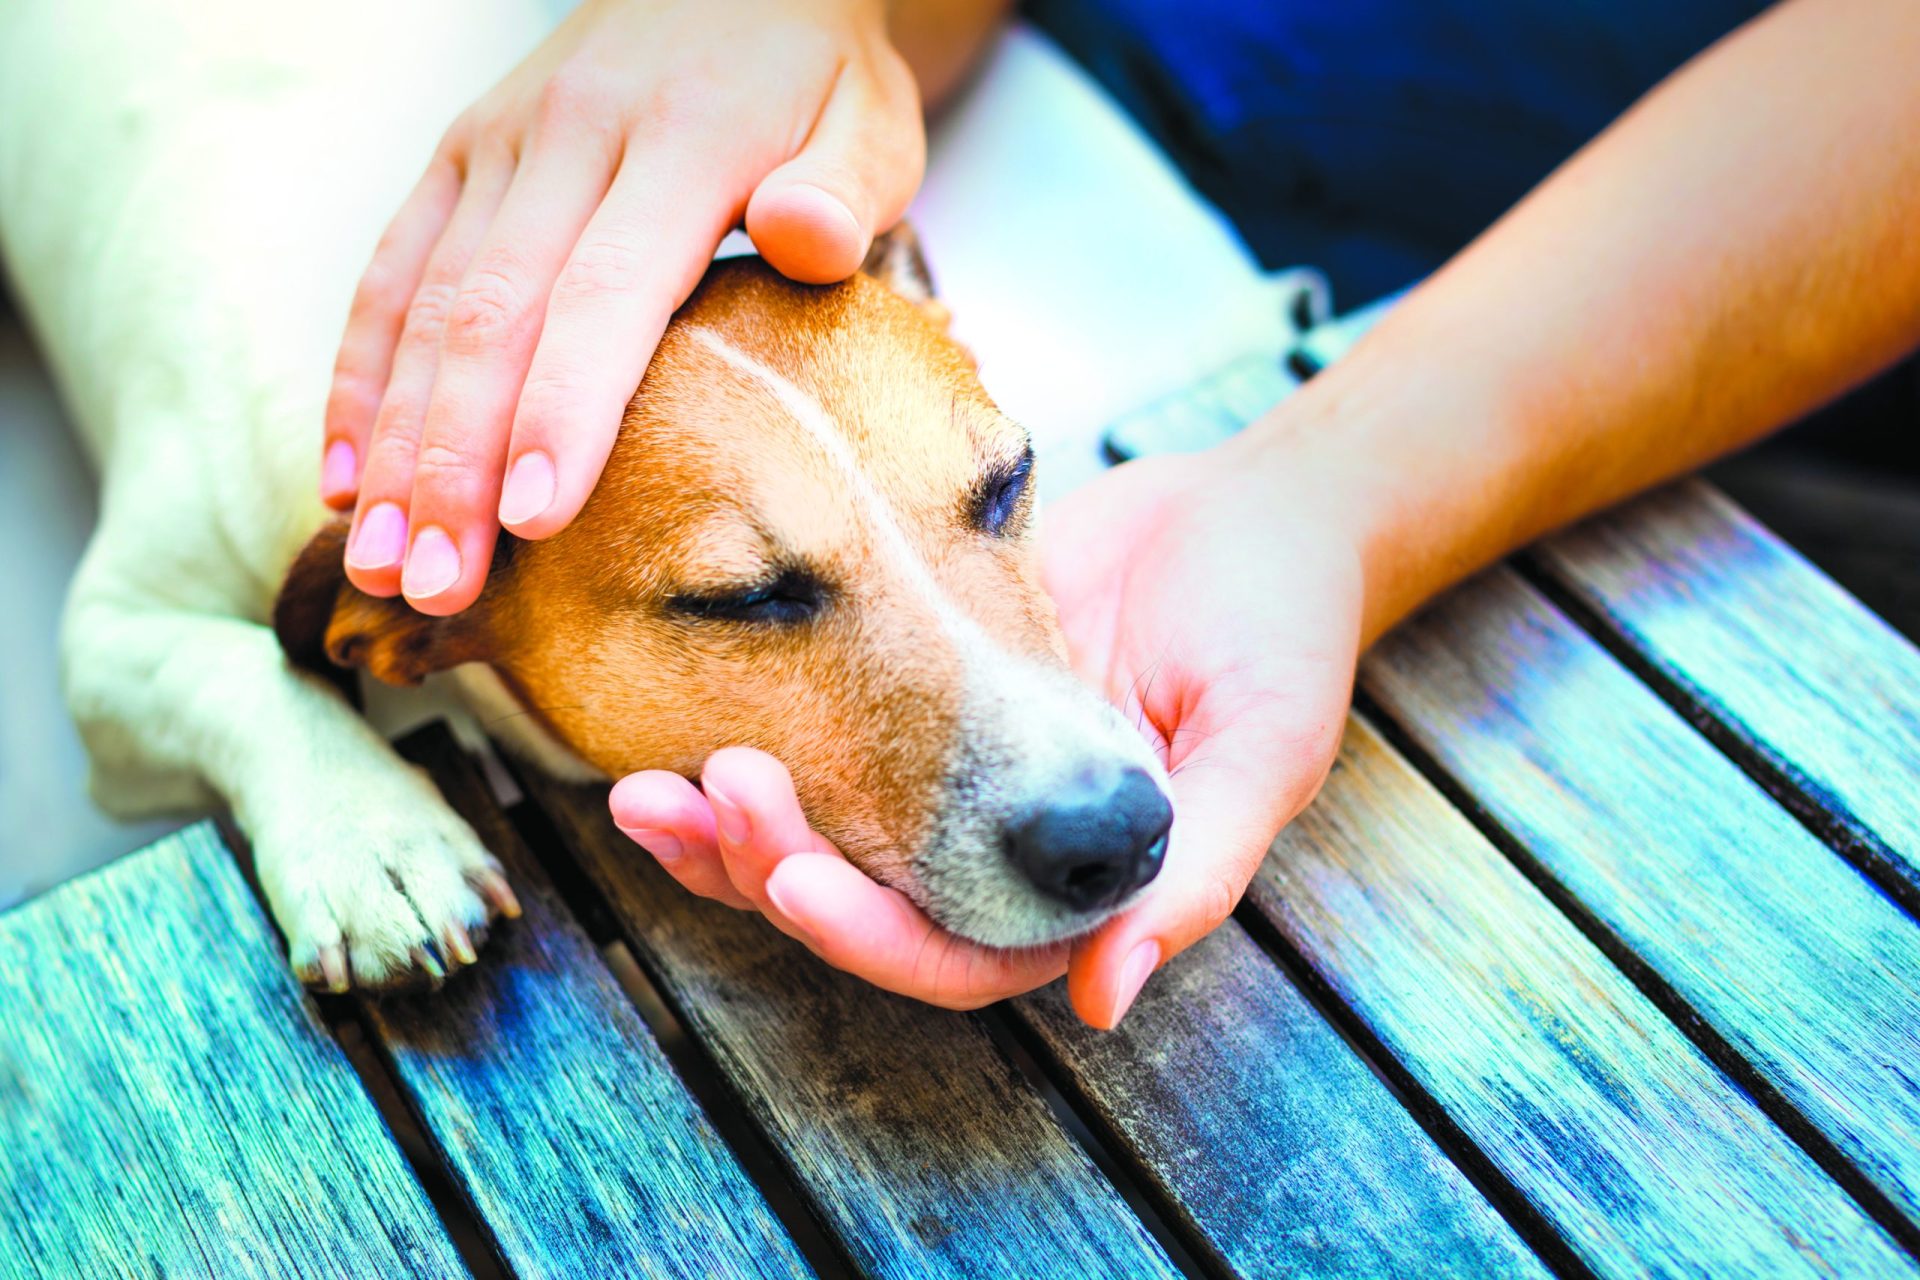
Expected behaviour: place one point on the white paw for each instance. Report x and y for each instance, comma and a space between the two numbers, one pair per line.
382, 888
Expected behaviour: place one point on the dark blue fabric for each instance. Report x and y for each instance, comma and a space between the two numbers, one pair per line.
1374, 138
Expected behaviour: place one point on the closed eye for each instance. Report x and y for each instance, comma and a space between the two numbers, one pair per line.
997, 498
789, 599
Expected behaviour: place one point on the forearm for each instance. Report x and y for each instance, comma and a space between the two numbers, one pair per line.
943, 39
1739, 248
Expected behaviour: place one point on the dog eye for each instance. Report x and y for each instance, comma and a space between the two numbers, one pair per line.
998, 497
788, 600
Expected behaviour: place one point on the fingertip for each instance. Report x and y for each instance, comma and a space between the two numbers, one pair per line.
376, 545
339, 475
805, 231
748, 774
441, 577
555, 469
1106, 978
651, 798
529, 491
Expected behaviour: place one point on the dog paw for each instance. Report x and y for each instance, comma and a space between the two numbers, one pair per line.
396, 895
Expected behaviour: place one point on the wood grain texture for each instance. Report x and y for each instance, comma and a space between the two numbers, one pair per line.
169, 1103
1803, 967
548, 1099
1268, 1139
923, 1151
1769, 655
1614, 1128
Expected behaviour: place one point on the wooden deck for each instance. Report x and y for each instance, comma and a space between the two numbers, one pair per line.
1597, 957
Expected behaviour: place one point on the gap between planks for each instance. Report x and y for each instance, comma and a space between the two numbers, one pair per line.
1081, 1124
347, 1020
341, 1017
696, 1068
1824, 816
1480, 1170
1689, 1021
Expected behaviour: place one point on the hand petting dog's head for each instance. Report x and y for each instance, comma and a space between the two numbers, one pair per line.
814, 536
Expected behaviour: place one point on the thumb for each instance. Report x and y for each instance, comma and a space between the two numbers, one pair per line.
814, 217
1228, 805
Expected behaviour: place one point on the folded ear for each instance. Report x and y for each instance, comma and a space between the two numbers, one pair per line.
325, 623
895, 261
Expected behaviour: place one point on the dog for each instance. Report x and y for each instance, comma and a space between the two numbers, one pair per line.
815, 534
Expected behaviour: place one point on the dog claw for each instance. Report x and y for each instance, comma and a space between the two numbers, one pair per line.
498, 893
333, 969
458, 946
429, 965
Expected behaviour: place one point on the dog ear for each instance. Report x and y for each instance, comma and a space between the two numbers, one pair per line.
328, 625
895, 261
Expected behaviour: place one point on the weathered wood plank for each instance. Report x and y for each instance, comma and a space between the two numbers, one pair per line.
1803, 683
922, 1150
170, 1104
1268, 1140
1617, 1131
548, 1099
1807, 971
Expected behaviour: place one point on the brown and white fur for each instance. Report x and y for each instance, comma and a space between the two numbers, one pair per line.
186, 196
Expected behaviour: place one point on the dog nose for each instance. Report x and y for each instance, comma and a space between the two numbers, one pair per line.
1095, 841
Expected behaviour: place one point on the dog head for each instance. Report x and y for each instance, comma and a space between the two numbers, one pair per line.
815, 536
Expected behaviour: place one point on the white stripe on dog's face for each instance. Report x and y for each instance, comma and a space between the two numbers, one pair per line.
812, 417
1026, 728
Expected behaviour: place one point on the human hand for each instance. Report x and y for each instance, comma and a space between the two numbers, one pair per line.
516, 298
1219, 613
1219, 606
741, 838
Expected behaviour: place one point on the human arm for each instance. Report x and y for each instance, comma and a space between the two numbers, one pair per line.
1737, 249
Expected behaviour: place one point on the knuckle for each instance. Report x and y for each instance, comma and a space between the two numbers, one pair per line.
1217, 902
548, 400
442, 468
572, 98
381, 290
458, 139
598, 269
487, 314
427, 313
677, 106
395, 429
352, 395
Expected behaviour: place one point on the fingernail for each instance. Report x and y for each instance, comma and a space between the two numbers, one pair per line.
784, 905
733, 823
834, 205
529, 489
381, 539
433, 564
661, 844
336, 471
1133, 976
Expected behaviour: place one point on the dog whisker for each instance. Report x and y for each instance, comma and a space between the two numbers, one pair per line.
527, 711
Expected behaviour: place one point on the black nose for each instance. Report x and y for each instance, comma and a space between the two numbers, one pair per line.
1095, 841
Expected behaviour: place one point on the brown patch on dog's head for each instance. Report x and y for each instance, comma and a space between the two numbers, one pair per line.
814, 536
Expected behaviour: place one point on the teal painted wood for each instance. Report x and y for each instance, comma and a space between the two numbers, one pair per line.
1641, 1155
921, 1149
1808, 971
1268, 1140
1771, 656
170, 1104
550, 1102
